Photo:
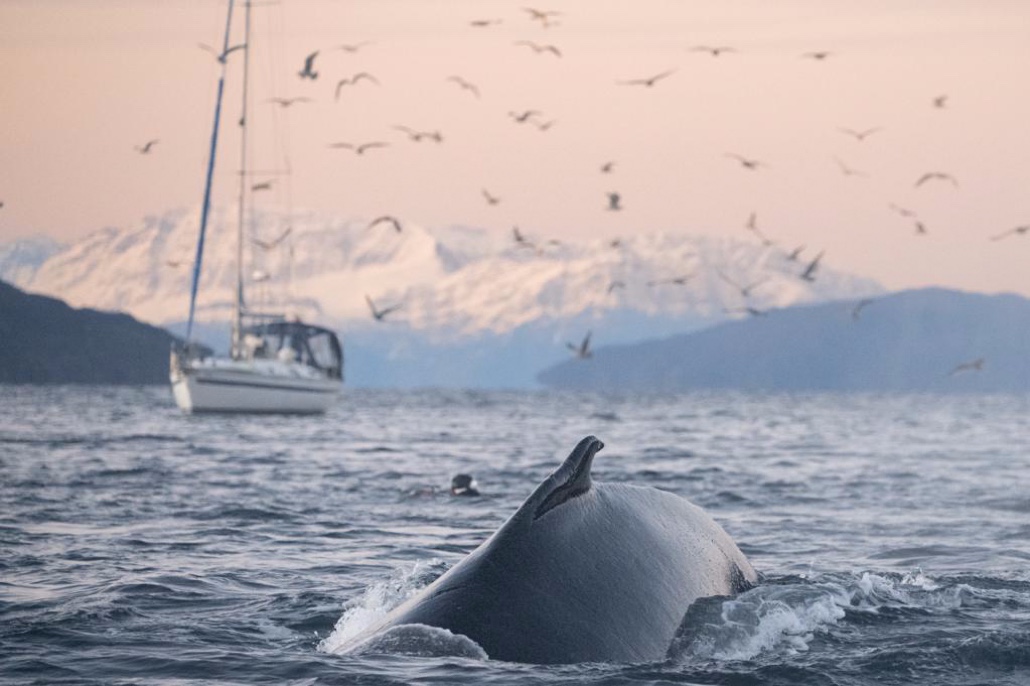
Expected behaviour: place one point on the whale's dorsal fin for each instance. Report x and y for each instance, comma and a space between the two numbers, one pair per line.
571, 479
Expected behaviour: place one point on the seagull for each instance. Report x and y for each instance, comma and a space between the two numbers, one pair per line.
582, 350
940, 102
809, 273
378, 314
747, 162
386, 219
860, 135
175, 264
615, 243
268, 245
648, 82
713, 51
920, 228
677, 281
221, 57
616, 284
794, 254
286, 102
483, 23
817, 55
1019, 230
520, 239
466, 85
859, 306
490, 199
417, 136
544, 125
974, 366
753, 311
542, 16
929, 176
607, 167
848, 171
614, 200
359, 149
145, 148
538, 48
902, 211
745, 291
752, 225
263, 186
308, 71
354, 80
523, 117
353, 47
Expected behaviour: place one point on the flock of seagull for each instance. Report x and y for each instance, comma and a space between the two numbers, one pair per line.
309, 71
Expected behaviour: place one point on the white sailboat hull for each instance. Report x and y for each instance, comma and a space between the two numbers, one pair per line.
223, 385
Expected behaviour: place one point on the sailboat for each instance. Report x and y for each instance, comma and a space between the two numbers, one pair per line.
276, 363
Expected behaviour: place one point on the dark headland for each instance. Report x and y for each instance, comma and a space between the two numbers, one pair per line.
43, 340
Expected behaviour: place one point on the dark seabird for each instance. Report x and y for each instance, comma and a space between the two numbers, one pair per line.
145, 148
648, 82
268, 245
1017, 231
974, 366
465, 85
582, 350
614, 202
386, 219
538, 48
354, 80
359, 149
378, 314
940, 176
809, 273
464, 484
309, 64
860, 135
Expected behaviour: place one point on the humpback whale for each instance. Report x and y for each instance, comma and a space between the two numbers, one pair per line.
582, 572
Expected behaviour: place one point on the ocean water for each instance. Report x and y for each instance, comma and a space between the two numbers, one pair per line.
142, 546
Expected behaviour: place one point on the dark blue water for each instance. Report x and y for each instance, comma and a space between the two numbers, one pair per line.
138, 545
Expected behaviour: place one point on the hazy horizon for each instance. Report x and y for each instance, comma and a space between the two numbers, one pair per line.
91, 81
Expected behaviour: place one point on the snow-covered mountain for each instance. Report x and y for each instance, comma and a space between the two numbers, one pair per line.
465, 293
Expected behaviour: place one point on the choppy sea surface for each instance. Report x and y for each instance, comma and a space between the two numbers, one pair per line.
139, 545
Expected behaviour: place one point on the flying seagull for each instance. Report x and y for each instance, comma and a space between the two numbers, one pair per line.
386, 219
1017, 231
860, 135
714, 51
262, 186
745, 291
940, 102
817, 55
466, 85
648, 82
859, 306
616, 284
614, 202
522, 241
675, 281
848, 171
538, 48
354, 80
378, 314
417, 136
286, 102
145, 148
221, 56
794, 254
747, 162
902, 211
582, 351
974, 366
809, 273
542, 16
483, 23
268, 245
308, 71
359, 149
352, 47
490, 199
524, 116
607, 167
930, 176
753, 311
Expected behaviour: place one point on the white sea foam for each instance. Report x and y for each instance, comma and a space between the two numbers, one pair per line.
420, 640
376, 602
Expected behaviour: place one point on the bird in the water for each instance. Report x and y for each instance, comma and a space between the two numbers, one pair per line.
308, 72
378, 314
860, 135
649, 81
464, 484
809, 273
353, 81
747, 162
146, 147
1017, 231
359, 149
385, 219
614, 202
268, 245
221, 56
582, 351
939, 176
714, 51
976, 365
490, 199
538, 47
465, 85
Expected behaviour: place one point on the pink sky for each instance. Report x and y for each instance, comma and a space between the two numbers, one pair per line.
88, 80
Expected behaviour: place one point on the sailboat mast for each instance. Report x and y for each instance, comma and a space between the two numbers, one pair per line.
206, 207
237, 321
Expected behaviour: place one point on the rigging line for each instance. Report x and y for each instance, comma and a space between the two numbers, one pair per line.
206, 206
